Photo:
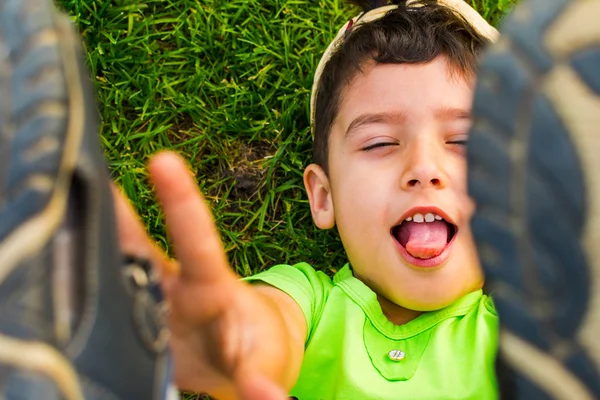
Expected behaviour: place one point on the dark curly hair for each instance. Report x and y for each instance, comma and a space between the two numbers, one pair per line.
413, 34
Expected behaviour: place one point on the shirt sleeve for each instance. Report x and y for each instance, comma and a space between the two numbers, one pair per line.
308, 287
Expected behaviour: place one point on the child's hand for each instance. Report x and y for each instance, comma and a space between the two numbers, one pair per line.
228, 339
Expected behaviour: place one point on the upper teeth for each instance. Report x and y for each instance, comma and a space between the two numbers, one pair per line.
419, 218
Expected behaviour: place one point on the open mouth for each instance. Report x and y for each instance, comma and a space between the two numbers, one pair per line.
424, 236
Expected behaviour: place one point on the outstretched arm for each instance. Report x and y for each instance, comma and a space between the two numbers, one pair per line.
229, 339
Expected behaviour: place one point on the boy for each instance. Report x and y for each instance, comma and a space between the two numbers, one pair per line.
234, 339
391, 109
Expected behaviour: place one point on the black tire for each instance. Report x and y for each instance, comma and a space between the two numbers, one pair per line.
534, 159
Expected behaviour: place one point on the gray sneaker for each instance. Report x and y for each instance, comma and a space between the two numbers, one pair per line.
534, 171
76, 320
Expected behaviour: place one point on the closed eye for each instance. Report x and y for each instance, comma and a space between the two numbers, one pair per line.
458, 142
376, 145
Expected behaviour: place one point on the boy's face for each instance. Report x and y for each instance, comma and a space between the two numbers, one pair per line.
397, 153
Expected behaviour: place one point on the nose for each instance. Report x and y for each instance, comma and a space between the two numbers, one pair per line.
423, 167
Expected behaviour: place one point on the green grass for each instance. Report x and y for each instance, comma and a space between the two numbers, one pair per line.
226, 84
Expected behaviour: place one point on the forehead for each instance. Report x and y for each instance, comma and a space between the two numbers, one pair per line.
414, 91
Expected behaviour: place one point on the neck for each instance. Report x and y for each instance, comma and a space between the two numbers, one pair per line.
396, 314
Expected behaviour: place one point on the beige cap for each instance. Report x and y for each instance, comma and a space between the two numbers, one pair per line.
460, 6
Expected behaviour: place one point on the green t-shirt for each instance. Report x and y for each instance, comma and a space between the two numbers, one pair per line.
448, 354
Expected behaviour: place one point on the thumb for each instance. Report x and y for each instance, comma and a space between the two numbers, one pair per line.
133, 238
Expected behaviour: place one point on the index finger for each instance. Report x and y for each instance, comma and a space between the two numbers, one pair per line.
189, 220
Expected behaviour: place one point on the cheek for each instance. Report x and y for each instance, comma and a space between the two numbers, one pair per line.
458, 173
355, 204
360, 204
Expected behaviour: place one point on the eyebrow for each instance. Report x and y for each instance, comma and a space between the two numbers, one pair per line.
451, 113
444, 114
375, 118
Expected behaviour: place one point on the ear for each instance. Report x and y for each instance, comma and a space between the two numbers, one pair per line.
319, 196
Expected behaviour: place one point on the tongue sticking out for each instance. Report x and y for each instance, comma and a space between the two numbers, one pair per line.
424, 240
